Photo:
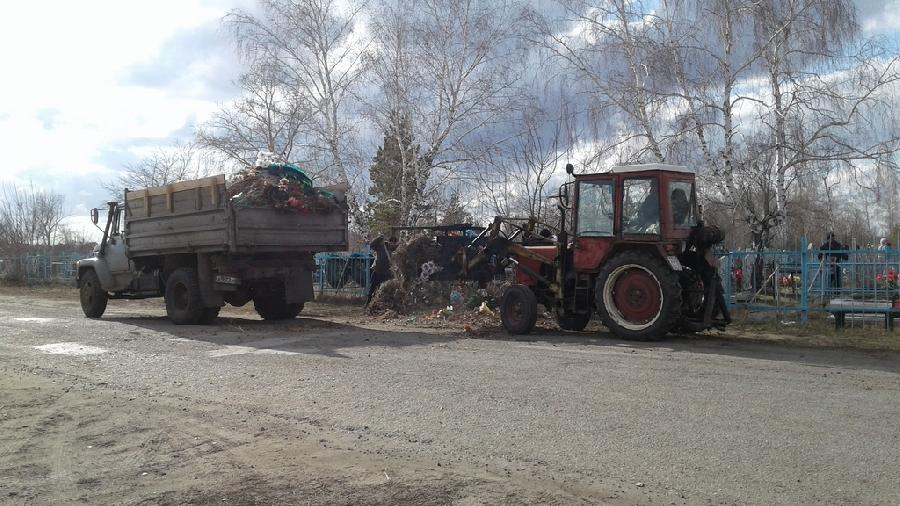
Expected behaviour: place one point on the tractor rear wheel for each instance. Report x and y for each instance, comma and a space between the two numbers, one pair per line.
518, 309
574, 322
638, 296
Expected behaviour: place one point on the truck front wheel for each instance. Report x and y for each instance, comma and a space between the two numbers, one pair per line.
93, 297
183, 302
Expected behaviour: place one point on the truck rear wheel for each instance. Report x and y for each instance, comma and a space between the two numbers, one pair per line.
518, 309
638, 296
275, 308
209, 315
183, 302
93, 297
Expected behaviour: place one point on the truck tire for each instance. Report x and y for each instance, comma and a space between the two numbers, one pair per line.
183, 302
209, 315
638, 296
518, 309
275, 308
574, 322
93, 297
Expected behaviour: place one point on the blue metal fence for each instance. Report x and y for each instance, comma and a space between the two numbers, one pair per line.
343, 274
40, 268
811, 280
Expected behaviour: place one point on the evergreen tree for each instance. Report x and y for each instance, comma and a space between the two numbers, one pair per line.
398, 177
456, 213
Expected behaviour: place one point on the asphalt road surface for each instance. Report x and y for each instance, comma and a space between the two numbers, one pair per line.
333, 409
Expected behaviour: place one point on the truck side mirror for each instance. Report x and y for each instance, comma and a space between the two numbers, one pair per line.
570, 169
95, 216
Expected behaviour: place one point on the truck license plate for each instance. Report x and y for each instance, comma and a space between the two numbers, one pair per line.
228, 280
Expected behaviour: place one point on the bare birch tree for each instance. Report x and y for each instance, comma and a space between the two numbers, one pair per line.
316, 45
29, 218
162, 166
447, 65
270, 116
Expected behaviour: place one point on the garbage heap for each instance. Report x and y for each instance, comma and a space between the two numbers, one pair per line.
412, 292
281, 186
411, 265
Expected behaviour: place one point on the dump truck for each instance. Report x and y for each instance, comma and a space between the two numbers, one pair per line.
191, 244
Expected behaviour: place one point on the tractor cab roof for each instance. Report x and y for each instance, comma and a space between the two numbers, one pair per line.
620, 169
646, 169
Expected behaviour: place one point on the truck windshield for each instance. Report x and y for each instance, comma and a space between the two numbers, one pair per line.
595, 209
681, 198
641, 206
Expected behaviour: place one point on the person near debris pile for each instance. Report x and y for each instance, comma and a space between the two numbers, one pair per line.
832, 255
381, 266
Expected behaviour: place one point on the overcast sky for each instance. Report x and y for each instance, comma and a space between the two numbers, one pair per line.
89, 86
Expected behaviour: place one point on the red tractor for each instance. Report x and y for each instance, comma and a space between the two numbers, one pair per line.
630, 247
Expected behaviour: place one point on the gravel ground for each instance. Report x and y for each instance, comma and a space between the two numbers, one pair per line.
332, 408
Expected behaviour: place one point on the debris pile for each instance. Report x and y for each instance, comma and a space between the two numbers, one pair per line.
412, 266
279, 185
411, 293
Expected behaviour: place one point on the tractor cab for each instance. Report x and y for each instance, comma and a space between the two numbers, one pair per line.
651, 204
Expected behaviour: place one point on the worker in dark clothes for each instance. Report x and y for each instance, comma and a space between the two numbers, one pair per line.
381, 266
832, 254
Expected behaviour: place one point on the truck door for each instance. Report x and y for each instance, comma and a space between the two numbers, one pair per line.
116, 256
594, 222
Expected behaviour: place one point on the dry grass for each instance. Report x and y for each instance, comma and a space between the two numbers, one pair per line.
819, 332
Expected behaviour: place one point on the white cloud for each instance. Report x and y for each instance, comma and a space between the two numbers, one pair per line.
879, 17
66, 100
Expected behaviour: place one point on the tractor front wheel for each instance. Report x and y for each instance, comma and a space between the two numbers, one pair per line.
518, 310
638, 296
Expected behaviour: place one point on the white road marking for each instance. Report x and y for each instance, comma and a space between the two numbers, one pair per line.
69, 349
36, 320
244, 350
261, 347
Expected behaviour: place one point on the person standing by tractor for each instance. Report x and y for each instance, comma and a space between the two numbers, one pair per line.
381, 266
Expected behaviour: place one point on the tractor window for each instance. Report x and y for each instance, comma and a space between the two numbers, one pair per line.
595, 209
641, 211
681, 198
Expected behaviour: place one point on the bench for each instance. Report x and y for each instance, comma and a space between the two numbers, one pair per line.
841, 308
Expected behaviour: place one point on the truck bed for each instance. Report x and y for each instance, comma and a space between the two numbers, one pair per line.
194, 216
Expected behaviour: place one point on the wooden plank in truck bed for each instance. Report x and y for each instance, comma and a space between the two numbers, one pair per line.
177, 198
186, 216
267, 228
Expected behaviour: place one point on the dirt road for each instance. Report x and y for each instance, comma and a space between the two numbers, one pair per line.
332, 409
